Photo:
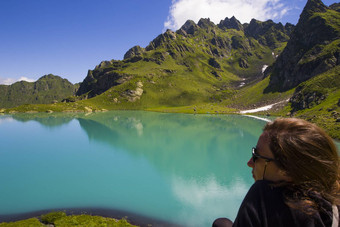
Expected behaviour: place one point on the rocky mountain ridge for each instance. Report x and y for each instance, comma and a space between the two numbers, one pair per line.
228, 45
304, 56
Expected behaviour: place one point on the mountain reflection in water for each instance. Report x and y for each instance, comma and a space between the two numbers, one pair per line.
178, 168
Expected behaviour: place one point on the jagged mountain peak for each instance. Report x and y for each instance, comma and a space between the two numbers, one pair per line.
268, 32
188, 24
335, 6
315, 6
312, 6
231, 23
168, 35
305, 55
205, 23
133, 52
189, 27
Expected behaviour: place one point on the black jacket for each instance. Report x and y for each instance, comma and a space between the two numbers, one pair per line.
264, 206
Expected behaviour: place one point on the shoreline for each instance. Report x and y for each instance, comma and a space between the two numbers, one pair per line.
132, 218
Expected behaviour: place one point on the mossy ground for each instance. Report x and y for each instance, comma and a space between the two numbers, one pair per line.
60, 219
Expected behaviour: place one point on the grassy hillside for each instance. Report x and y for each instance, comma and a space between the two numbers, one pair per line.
318, 100
47, 89
200, 63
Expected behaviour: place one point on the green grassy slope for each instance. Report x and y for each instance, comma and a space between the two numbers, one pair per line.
47, 89
318, 100
197, 66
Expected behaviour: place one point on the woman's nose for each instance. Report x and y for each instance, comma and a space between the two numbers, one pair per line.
250, 163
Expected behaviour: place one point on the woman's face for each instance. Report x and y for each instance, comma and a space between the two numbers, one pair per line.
262, 170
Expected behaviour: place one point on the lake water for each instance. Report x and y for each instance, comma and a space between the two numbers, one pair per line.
182, 169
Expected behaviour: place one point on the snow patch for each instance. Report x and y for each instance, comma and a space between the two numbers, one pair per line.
263, 108
264, 68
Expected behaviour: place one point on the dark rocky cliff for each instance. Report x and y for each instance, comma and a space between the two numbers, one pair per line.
313, 48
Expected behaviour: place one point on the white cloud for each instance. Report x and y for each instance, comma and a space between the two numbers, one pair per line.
5, 119
9, 81
217, 10
26, 79
222, 200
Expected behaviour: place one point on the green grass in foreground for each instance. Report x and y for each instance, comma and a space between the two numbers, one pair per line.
61, 219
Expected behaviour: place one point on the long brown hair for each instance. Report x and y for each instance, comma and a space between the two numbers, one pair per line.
309, 156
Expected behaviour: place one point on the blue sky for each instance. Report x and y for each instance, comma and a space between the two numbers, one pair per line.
69, 37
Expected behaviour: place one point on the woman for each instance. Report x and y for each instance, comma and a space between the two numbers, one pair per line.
295, 165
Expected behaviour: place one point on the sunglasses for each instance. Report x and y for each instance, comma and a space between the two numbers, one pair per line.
256, 156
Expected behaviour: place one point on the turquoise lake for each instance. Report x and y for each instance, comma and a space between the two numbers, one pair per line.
182, 169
